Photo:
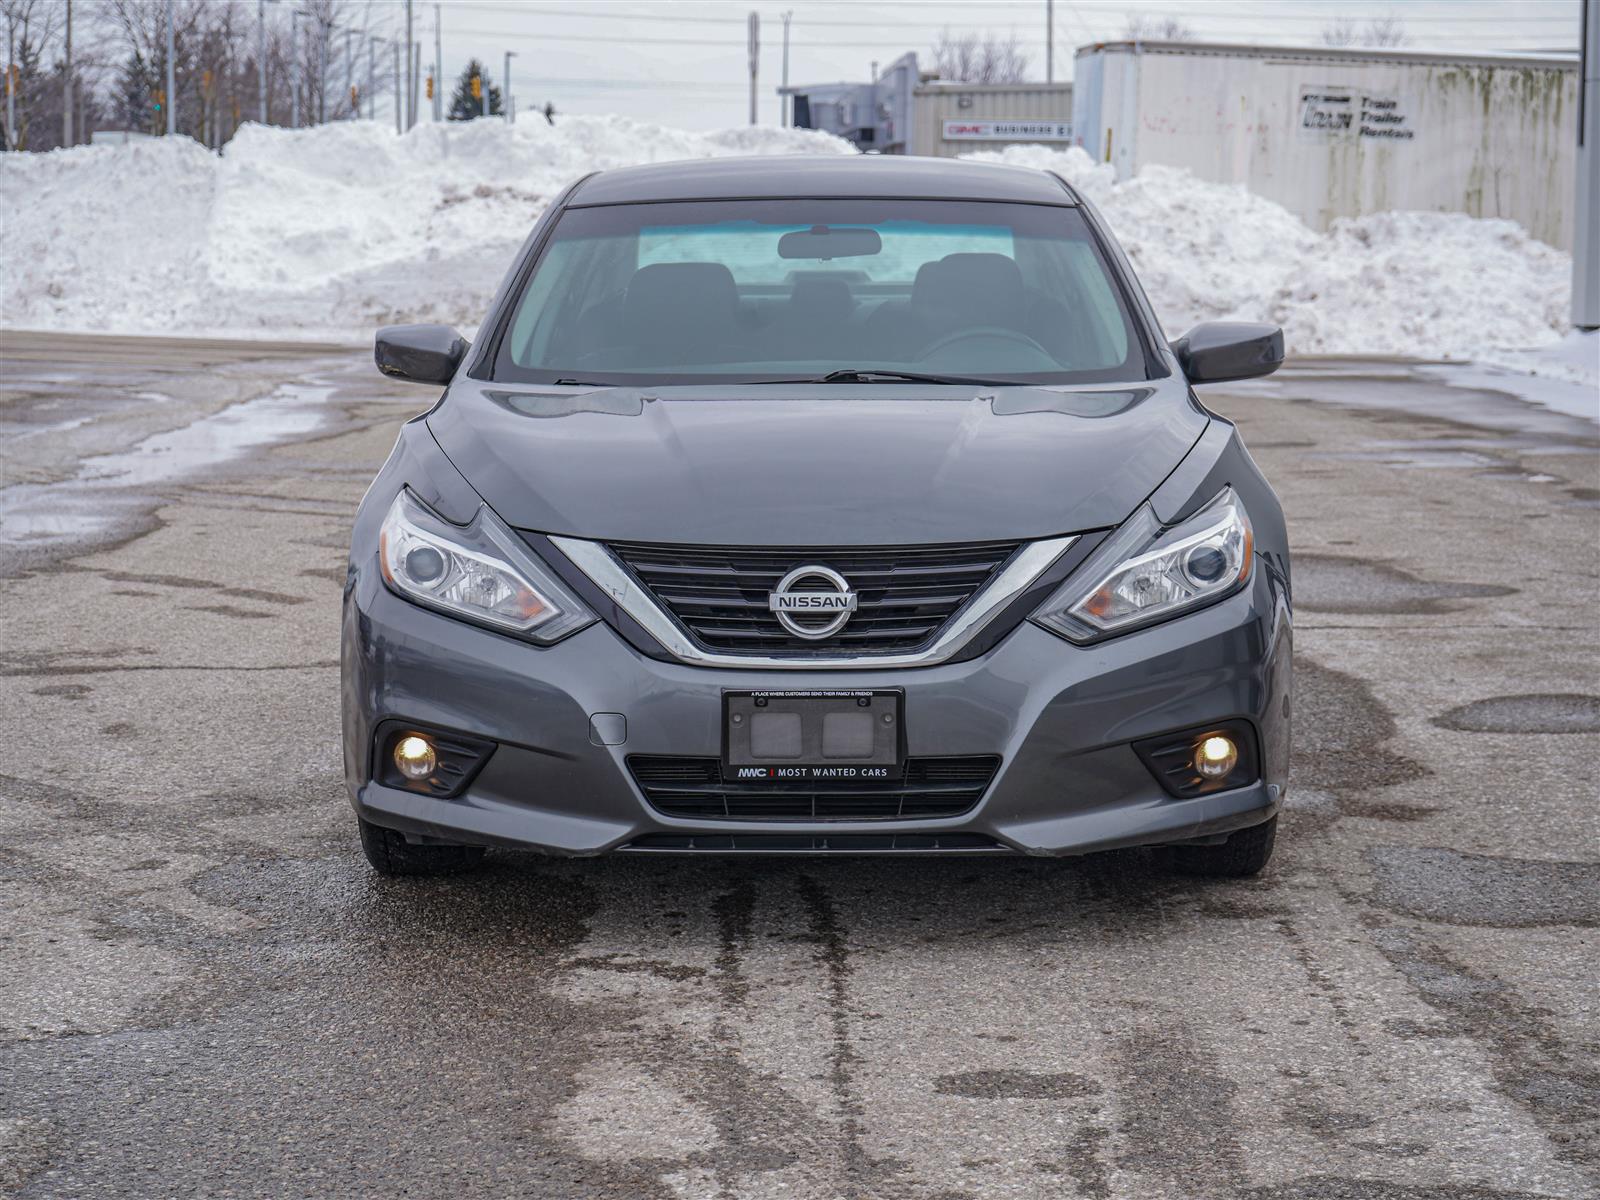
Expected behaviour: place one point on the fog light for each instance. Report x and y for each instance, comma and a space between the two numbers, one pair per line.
415, 757
1215, 757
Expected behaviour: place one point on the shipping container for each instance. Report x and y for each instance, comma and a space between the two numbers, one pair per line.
1333, 133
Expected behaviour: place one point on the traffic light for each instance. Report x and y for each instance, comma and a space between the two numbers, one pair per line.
477, 88
355, 98
430, 87
158, 98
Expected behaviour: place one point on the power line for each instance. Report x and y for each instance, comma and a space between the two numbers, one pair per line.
1466, 39
655, 40
830, 22
1463, 42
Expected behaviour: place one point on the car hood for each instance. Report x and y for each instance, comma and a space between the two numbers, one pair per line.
832, 464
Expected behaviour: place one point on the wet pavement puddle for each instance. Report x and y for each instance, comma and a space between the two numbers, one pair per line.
109, 488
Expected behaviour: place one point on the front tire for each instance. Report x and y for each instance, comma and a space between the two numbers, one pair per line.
1244, 854
390, 854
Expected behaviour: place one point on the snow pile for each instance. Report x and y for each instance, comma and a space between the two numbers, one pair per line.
1432, 285
333, 230
323, 232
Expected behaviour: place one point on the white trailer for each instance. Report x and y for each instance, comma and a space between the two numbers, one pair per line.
1333, 133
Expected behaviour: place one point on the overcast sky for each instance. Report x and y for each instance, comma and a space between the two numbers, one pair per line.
683, 62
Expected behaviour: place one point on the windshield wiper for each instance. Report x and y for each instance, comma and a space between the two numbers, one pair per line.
580, 383
874, 375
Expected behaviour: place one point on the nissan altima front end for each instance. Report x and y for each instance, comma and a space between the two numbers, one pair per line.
819, 506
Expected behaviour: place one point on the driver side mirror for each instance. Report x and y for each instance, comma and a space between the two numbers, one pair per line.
1220, 351
419, 353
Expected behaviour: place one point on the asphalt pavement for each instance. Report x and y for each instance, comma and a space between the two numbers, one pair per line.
204, 991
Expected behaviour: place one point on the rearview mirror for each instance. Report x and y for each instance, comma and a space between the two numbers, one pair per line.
1219, 351
419, 353
822, 242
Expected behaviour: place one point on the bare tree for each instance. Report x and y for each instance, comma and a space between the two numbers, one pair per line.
971, 58
217, 53
1386, 31
1380, 31
1145, 27
1341, 31
31, 27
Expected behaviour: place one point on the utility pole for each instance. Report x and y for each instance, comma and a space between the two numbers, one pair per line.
66, 85
783, 96
261, 61
294, 70
322, 70
1585, 240
755, 60
349, 73
505, 93
399, 112
1049, 41
438, 67
11, 83
416, 81
172, 76
372, 77
411, 79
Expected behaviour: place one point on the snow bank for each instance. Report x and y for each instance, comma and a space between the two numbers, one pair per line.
316, 232
1421, 284
331, 231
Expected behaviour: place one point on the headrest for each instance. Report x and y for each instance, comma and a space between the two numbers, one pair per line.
983, 289
672, 293
822, 291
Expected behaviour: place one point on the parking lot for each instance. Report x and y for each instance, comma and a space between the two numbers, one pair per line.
206, 992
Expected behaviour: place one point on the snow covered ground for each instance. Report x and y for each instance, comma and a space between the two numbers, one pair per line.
330, 231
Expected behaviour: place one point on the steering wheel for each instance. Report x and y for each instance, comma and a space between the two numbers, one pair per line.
995, 331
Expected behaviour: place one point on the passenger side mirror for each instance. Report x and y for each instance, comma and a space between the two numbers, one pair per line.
1219, 351
419, 353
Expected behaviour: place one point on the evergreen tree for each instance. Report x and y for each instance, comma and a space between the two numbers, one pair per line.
464, 106
132, 96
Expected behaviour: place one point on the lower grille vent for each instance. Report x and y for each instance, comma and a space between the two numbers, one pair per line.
821, 843
932, 787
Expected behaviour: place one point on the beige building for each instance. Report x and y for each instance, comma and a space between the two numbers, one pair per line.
904, 111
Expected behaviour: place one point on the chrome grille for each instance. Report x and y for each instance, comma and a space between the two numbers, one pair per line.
905, 593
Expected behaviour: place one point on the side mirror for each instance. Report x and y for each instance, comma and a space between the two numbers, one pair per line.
1219, 351
419, 353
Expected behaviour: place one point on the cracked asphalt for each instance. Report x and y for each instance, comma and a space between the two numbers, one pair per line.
205, 992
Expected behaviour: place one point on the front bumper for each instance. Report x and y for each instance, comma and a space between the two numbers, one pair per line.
1061, 717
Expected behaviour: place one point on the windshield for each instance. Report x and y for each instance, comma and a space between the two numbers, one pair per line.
765, 290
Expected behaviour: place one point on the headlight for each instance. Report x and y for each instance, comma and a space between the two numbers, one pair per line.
1143, 573
482, 572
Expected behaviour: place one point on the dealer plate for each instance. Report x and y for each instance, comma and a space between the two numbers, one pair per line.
813, 737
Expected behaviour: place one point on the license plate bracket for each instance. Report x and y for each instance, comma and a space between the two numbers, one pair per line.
813, 738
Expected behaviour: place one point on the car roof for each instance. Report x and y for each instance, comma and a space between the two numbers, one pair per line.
779, 176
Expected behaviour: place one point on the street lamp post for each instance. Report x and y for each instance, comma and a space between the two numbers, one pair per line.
294, 68
783, 95
755, 59
172, 76
1585, 241
261, 61
372, 77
